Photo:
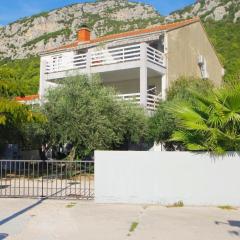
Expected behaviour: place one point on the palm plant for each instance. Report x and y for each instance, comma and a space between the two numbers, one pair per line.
211, 122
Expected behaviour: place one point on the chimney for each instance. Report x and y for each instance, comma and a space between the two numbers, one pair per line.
84, 34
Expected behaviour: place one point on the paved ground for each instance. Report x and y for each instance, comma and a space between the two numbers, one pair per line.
64, 220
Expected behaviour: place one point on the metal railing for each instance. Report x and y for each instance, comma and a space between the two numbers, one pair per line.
116, 55
106, 57
155, 56
47, 179
152, 99
133, 97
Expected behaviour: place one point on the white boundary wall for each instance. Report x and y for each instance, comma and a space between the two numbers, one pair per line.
166, 178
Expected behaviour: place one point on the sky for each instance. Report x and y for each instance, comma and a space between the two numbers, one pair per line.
11, 10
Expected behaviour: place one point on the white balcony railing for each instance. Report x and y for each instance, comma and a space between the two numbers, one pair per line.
152, 100
105, 57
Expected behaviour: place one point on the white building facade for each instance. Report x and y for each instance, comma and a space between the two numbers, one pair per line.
134, 63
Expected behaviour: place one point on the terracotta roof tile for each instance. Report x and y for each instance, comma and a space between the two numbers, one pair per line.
168, 26
164, 27
27, 98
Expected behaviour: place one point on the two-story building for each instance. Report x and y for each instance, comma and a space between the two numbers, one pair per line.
139, 64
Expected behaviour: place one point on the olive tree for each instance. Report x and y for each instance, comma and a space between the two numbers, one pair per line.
83, 112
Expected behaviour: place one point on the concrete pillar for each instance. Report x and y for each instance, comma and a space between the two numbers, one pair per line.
88, 63
164, 87
143, 76
43, 65
143, 86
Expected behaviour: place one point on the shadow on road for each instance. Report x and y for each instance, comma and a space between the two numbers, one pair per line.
11, 217
3, 236
232, 223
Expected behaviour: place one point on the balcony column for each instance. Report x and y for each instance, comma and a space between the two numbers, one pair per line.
164, 87
43, 65
143, 75
88, 63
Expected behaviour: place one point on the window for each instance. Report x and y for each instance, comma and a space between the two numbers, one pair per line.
57, 63
203, 67
158, 44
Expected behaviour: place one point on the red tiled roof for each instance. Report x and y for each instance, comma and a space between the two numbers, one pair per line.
168, 26
27, 98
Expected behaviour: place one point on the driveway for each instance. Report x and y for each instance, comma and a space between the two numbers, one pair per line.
25, 219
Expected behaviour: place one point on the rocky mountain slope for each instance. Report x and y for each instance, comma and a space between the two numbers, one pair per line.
31, 35
210, 9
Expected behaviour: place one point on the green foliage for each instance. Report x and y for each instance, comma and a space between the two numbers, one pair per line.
178, 204
19, 77
184, 10
31, 19
225, 36
227, 207
179, 88
164, 123
211, 122
83, 112
13, 117
47, 36
133, 227
9, 88
33, 133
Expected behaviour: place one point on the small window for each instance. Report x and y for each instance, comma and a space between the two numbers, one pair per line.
81, 51
57, 62
203, 67
158, 44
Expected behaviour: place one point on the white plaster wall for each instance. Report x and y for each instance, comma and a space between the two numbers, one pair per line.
132, 85
166, 178
67, 58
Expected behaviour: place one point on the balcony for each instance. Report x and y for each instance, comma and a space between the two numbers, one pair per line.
105, 60
130, 70
152, 100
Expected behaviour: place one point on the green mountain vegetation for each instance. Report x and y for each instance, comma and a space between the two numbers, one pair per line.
15, 117
225, 36
20, 77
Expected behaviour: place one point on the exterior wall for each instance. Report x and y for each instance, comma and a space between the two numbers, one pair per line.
44, 84
184, 46
125, 86
166, 178
132, 85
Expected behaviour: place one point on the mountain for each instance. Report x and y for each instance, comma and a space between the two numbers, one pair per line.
31, 35
210, 9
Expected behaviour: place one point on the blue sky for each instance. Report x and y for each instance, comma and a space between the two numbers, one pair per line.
11, 10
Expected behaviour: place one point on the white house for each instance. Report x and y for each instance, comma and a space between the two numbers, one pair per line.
139, 64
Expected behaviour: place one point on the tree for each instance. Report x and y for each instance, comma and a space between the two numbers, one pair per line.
13, 116
22, 74
225, 36
180, 89
212, 122
88, 115
163, 123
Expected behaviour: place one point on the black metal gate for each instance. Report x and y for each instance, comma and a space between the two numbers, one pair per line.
47, 179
